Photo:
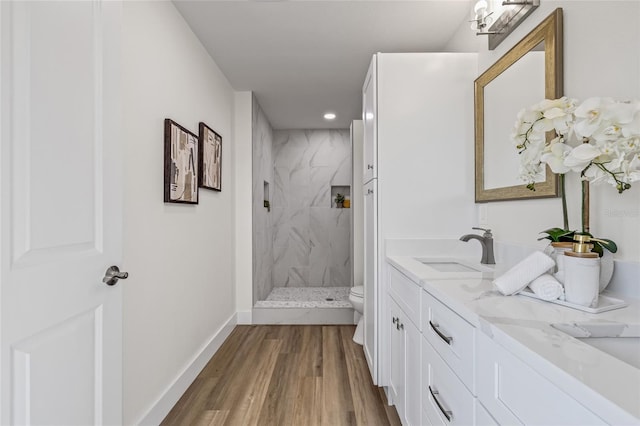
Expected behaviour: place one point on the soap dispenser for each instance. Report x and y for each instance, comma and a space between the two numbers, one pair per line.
582, 272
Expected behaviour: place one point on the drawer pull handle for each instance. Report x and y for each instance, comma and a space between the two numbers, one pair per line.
447, 339
448, 414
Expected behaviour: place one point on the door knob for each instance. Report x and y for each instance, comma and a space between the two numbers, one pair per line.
113, 274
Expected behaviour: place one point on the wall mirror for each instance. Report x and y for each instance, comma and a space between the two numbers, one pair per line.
526, 74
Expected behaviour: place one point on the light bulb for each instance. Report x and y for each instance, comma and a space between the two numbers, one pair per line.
480, 7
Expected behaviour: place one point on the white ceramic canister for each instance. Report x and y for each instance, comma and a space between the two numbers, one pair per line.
582, 278
556, 251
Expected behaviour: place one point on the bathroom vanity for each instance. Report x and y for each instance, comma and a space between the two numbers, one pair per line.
461, 353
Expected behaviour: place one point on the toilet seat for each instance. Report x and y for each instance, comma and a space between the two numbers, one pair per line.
357, 291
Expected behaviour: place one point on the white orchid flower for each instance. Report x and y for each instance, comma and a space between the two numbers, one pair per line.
589, 116
597, 175
555, 157
631, 169
632, 128
581, 156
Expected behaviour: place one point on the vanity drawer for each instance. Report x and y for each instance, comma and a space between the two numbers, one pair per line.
446, 401
516, 394
483, 418
406, 293
451, 336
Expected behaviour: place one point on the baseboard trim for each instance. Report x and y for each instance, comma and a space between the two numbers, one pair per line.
244, 317
172, 394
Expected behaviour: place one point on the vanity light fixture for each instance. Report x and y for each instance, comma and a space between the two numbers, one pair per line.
498, 21
481, 17
329, 116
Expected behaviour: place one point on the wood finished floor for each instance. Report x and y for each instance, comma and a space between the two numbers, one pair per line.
285, 375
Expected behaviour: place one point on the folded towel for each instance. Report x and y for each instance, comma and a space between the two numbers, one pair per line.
546, 287
527, 270
559, 276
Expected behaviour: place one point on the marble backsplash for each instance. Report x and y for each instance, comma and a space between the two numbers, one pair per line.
262, 141
311, 240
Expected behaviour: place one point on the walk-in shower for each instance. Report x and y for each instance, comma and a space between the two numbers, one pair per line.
301, 236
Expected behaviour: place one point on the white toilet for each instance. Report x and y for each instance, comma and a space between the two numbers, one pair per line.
356, 297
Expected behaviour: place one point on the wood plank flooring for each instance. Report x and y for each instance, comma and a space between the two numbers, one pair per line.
294, 375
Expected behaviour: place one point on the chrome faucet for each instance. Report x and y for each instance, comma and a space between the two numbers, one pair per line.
487, 245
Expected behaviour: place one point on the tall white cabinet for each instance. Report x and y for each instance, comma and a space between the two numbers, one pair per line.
418, 169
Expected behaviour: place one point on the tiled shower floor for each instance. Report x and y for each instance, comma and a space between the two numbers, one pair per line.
307, 297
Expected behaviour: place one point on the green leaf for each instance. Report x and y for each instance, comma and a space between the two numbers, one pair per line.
608, 244
557, 234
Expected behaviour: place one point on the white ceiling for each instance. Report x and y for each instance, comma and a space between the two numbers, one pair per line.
304, 58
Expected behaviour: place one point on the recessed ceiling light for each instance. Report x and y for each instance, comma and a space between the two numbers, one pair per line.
329, 116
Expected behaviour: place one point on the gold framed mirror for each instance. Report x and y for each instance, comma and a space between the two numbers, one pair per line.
526, 74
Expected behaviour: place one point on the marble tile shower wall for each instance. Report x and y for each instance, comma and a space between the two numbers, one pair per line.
262, 140
311, 240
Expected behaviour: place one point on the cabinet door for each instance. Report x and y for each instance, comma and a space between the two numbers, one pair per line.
370, 278
413, 378
397, 361
369, 117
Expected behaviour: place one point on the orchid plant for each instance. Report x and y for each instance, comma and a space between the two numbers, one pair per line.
610, 150
609, 130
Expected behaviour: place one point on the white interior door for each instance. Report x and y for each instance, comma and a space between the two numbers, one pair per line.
60, 213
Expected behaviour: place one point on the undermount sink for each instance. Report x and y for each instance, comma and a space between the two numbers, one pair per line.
626, 349
449, 266
621, 341
454, 268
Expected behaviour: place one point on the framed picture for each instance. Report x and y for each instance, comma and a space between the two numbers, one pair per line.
180, 164
210, 159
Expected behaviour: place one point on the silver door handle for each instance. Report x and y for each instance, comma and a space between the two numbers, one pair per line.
435, 327
113, 274
447, 413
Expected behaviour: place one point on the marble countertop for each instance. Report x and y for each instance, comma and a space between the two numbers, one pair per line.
523, 326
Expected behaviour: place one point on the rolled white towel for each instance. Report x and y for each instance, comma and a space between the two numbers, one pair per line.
527, 270
546, 287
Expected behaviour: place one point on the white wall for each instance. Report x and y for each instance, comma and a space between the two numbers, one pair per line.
601, 58
180, 257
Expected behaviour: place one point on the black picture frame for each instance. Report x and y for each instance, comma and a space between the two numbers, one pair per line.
210, 166
181, 150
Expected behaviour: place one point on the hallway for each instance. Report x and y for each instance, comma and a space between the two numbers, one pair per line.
285, 375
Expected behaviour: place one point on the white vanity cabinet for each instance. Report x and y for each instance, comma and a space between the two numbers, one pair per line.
515, 394
405, 354
486, 359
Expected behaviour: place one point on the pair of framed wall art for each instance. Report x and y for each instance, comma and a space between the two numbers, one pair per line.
190, 162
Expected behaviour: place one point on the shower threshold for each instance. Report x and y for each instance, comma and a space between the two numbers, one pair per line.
307, 297
305, 305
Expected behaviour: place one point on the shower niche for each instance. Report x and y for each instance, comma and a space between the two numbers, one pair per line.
340, 196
